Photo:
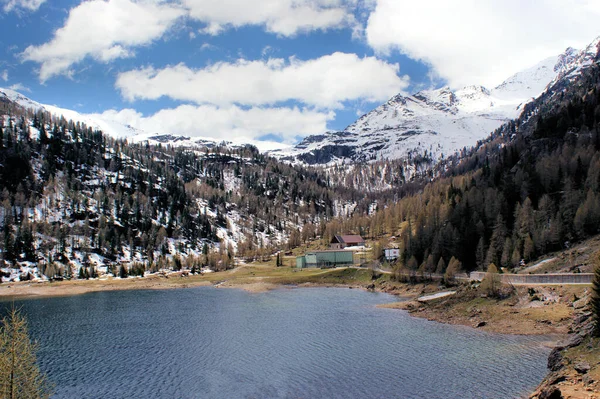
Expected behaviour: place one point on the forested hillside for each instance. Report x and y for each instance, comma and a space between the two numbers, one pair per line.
531, 188
76, 203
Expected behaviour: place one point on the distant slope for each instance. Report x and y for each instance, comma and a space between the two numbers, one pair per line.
75, 202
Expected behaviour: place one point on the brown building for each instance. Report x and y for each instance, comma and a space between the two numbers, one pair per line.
341, 242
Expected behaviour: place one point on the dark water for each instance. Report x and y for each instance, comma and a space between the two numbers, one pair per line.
300, 343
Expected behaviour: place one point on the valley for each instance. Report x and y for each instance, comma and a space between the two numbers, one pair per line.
503, 180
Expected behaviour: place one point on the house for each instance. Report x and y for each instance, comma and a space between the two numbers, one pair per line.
391, 254
325, 259
341, 242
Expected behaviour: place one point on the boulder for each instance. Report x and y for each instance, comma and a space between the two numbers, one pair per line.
582, 367
551, 393
555, 360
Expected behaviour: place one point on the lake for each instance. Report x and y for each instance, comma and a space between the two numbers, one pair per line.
288, 343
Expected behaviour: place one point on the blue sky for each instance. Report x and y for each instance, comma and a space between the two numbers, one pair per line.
277, 69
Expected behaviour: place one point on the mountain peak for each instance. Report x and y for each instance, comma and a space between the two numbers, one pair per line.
433, 123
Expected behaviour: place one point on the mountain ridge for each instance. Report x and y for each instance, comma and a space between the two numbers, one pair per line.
433, 124
421, 129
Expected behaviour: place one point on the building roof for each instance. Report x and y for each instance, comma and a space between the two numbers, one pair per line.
330, 250
348, 239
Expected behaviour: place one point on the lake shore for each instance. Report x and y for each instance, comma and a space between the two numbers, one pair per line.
515, 316
40, 289
544, 311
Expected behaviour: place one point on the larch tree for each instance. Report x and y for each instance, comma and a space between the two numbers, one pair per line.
441, 266
454, 267
20, 376
491, 282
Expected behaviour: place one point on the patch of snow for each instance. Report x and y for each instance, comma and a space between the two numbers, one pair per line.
435, 296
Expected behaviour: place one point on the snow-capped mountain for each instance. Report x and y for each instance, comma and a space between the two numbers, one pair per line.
433, 123
427, 126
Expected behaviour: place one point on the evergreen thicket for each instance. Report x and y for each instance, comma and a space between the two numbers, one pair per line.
70, 195
73, 199
533, 187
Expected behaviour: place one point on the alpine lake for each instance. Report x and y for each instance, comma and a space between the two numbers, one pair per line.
287, 343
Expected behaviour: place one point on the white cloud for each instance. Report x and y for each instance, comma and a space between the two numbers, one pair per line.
103, 30
4, 75
481, 42
228, 123
283, 17
267, 50
207, 47
19, 87
323, 82
27, 5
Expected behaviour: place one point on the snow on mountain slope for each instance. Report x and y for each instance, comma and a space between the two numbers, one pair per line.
109, 127
433, 123
531, 81
203, 142
118, 130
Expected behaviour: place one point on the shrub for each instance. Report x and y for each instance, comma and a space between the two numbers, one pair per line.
490, 286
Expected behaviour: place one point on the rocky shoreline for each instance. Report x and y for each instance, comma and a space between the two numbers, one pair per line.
556, 312
574, 363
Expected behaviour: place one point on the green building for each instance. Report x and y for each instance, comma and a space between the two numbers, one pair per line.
325, 259
300, 262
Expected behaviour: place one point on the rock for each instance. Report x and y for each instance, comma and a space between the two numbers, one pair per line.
556, 378
587, 380
480, 324
371, 287
581, 318
551, 393
555, 360
582, 367
580, 303
586, 328
571, 341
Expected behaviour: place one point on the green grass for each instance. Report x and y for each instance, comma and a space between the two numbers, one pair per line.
288, 275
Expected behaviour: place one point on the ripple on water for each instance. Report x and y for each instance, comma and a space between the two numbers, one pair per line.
301, 343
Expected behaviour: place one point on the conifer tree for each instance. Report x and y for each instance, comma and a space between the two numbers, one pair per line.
20, 376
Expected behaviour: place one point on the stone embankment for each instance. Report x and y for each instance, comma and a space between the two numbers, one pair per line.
546, 279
